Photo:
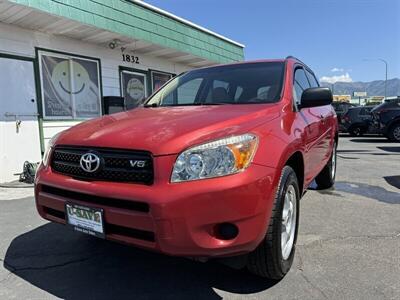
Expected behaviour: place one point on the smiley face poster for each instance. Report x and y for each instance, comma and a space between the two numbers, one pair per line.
70, 87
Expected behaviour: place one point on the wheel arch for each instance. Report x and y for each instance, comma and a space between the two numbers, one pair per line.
296, 162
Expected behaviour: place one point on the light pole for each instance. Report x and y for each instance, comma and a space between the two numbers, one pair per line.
386, 68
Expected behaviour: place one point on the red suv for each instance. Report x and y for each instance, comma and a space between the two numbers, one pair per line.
212, 165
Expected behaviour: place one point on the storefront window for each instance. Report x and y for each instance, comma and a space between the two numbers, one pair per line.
158, 79
70, 87
134, 88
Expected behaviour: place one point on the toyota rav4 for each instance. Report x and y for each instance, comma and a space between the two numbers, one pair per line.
212, 165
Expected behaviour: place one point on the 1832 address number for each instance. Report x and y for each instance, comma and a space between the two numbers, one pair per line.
130, 58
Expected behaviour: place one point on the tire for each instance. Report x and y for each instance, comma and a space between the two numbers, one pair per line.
268, 260
394, 133
356, 131
326, 178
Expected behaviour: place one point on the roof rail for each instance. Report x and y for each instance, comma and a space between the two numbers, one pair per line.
293, 57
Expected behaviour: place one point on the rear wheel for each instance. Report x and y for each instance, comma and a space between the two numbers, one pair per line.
274, 256
394, 133
326, 178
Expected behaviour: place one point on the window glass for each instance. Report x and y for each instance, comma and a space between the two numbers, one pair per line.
311, 78
300, 84
134, 88
70, 87
365, 111
233, 84
262, 92
219, 89
187, 92
238, 93
184, 94
158, 79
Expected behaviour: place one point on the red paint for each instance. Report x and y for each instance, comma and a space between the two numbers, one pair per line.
183, 215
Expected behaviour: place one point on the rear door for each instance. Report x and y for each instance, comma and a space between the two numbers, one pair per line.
19, 126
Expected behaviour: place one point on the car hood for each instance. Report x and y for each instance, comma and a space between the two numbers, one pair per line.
168, 130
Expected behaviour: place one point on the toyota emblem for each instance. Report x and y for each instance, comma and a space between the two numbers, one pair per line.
90, 162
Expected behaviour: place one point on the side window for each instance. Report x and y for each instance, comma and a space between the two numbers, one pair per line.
365, 111
312, 79
300, 84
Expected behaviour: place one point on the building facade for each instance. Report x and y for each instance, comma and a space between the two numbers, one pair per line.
60, 60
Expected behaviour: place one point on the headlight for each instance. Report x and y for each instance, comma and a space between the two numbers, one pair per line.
218, 158
49, 149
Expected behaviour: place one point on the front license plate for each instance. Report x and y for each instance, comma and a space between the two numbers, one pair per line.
85, 219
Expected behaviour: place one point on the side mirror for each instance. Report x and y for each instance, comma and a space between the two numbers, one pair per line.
316, 96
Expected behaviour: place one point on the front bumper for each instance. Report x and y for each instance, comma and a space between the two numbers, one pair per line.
181, 218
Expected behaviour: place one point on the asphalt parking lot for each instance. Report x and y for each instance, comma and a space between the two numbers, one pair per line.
348, 247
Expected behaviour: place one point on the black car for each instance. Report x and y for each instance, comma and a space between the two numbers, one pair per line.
358, 121
341, 108
386, 118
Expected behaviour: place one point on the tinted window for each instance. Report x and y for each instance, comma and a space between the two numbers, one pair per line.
300, 84
233, 84
366, 111
311, 78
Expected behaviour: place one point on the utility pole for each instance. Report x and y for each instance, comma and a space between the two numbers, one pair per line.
386, 71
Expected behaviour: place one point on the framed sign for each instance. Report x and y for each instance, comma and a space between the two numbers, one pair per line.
133, 87
70, 86
158, 79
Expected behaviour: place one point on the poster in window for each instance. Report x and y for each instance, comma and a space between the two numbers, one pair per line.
158, 79
134, 88
70, 87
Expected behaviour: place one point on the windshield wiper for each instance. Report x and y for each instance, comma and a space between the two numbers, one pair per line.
151, 105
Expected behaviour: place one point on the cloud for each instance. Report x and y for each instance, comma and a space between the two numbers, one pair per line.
337, 78
337, 70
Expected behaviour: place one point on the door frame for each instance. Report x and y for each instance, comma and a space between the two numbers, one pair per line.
37, 89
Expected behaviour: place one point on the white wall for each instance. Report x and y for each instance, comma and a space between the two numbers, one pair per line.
22, 42
18, 41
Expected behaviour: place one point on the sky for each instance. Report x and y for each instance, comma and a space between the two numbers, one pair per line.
340, 40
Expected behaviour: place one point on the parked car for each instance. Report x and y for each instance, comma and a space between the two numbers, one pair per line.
341, 108
358, 121
213, 165
386, 118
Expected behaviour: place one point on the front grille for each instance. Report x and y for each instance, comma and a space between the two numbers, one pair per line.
115, 165
112, 202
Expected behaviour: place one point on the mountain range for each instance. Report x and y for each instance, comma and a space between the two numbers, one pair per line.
373, 88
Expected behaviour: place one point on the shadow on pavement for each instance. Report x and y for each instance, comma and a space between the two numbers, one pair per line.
369, 191
75, 266
370, 140
390, 149
393, 181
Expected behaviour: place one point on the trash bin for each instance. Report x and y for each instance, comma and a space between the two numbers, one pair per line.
113, 104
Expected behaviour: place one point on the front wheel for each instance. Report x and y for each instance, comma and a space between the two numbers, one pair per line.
326, 178
274, 256
394, 133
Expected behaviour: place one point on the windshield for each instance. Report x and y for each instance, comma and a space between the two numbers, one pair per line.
232, 84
